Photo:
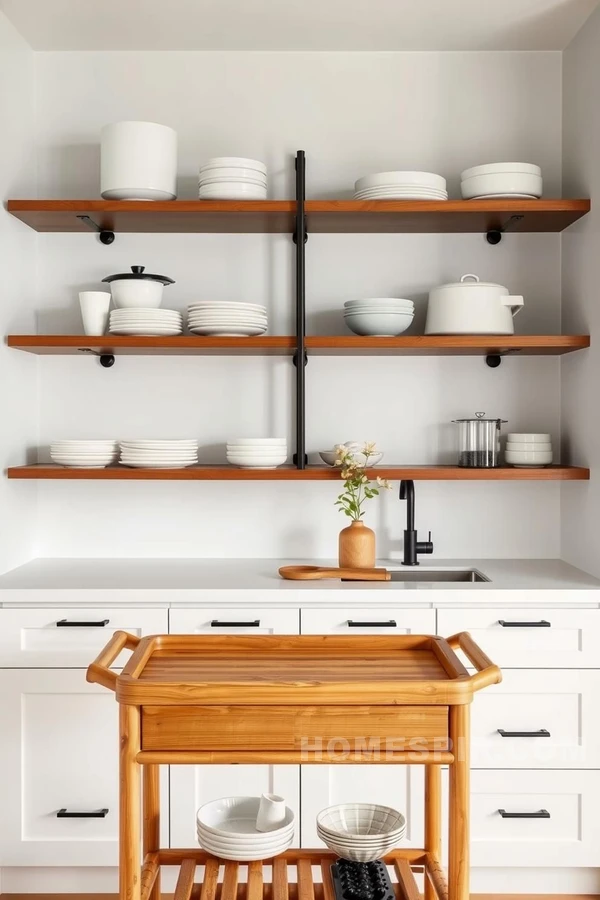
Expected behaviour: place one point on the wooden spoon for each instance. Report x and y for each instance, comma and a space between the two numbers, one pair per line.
312, 573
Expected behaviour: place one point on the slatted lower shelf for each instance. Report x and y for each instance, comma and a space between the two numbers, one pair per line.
295, 875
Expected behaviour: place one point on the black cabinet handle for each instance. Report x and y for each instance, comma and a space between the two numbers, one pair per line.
216, 623
541, 814
541, 624
526, 734
93, 814
65, 623
391, 623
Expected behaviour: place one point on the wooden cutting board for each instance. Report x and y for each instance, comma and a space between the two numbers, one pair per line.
313, 573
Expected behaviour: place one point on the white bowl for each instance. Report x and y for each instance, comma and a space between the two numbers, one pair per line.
242, 853
329, 457
360, 819
229, 179
520, 447
256, 838
243, 450
232, 192
368, 302
226, 304
378, 324
231, 816
259, 442
267, 463
530, 438
528, 459
501, 167
503, 183
422, 179
231, 172
234, 162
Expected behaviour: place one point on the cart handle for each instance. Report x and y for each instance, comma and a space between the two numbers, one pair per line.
487, 673
99, 671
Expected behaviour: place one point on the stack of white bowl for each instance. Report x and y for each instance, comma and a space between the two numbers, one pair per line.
148, 322
232, 178
401, 186
257, 453
84, 454
502, 180
362, 832
528, 450
227, 829
224, 318
159, 454
379, 316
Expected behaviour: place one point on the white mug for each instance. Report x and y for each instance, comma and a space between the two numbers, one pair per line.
271, 812
94, 311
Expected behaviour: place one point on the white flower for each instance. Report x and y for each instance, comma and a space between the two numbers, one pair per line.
369, 448
384, 483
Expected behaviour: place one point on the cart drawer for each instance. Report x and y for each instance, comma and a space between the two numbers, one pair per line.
69, 638
331, 728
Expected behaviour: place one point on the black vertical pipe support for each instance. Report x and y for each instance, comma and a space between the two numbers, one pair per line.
300, 359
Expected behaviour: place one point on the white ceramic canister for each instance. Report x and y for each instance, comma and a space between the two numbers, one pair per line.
471, 306
138, 161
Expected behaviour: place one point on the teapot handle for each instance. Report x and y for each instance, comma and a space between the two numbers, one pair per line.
515, 303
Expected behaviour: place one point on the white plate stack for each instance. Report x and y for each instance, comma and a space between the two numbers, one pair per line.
159, 454
257, 453
149, 322
401, 186
516, 181
232, 178
222, 318
528, 450
227, 829
379, 316
84, 454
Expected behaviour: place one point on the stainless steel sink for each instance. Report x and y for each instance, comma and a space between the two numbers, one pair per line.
468, 576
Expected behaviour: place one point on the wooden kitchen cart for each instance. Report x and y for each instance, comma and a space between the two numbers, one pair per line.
195, 699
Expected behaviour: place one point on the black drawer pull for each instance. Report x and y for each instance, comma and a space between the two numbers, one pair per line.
94, 814
391, 623
543, 732
541, 814
65, 623
216, 623
541, 624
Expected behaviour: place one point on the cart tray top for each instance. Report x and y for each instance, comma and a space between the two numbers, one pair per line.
298, 669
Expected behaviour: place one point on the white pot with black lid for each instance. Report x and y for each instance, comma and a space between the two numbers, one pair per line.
137, 289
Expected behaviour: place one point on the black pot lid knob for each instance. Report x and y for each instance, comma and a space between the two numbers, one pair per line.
138, 270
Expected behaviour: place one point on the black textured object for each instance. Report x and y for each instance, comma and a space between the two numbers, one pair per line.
478, 459
361, 881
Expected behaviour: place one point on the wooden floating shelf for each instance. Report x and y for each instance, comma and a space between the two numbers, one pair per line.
277, 216
290, 473
343, 345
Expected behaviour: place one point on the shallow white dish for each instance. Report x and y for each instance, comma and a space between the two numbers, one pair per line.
400, 195
145, 331
230, 172
232, 192
255, 840
156, 464
266, 463
501, 167
226, 304
528, 459
520, 447
228, 331
505, 197
235, 162
229, 179
424, 179
259, 442
509, 183
530, 437
236, 816
224, 316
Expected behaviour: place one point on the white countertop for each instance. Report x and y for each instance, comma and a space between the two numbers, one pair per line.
173, 581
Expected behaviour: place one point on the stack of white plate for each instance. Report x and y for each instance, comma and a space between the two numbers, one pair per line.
502, 180
159, 454
528, 450
257, 453
223, 318
401, 186
232, 178
146, 322
227, 829
84, 454
362, 832
379, 316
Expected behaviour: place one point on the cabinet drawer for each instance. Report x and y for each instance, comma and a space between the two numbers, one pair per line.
69, 638
549, 720
567, 835
233, 620
530, 638
367, 620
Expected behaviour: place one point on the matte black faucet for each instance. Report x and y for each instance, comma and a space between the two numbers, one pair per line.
412, 547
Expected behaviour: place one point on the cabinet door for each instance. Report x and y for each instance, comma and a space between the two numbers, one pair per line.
191, 786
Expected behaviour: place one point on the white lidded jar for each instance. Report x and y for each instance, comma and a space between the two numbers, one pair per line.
138, 161
137, 289
471, 306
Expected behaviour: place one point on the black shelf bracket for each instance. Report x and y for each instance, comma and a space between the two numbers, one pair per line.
494, 235
106, 236
107, 360
300, 238
493, 360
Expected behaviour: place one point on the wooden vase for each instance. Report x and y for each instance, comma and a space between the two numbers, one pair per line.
357, 546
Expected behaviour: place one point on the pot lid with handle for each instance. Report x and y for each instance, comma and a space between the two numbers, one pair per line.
139, 273
480, 417
471, 282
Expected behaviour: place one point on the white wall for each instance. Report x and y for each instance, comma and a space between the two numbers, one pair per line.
18, 374
581, 310
352, 113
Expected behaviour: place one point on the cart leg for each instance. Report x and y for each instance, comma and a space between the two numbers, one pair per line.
433, 819
458, 862
151, 806
129, 804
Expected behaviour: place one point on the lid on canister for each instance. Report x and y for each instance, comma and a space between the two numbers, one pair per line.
471, 281
480, 417
139, 273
